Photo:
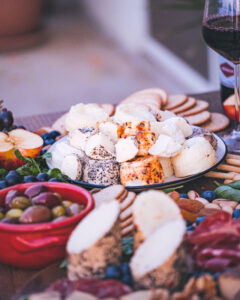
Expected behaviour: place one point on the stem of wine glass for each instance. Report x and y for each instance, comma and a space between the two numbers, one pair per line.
237, 98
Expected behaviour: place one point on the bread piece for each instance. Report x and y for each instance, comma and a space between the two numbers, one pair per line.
100, 147
78, 295
92, 248
167, 167
145, 140
111, 129
161, 260
132, 112
141, 171
101, 172
196, 156
109, 193
165, 146
170, 129
72, 166
132, 128
59, 125
78, 137
85, 115
182, 124
162, 115
151, 210
126, 149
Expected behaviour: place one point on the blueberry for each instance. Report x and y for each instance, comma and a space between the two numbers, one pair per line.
53, 180
29, 178
42, 177
113, 272
13, 177
20, 127
49, 141
46, 136
43, 151
53, 134
124, 267
127, 279
209, 195
3, 184
199, 220
236, 214
183, 195
188, 223
190, 228
7, 118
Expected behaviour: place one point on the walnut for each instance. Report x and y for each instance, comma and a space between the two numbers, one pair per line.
206, 287
187, 292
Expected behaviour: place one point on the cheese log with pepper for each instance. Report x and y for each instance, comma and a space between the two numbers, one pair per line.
95, 243
161, 260
126, 149
151, 210
145, 140
196, 156
141, 171
111, 129
132, 128
101, 172
78, 137
99, 147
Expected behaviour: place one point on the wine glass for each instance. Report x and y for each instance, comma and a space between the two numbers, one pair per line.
221, 31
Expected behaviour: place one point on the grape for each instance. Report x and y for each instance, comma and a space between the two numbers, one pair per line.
7, 118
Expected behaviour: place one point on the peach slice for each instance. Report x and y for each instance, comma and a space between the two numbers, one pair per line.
28, 143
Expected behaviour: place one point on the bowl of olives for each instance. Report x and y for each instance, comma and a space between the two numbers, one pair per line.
37, 219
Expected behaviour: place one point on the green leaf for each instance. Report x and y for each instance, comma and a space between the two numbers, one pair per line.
127, 246
227, 192
54, 172
46, 155
168, 190
217, 183
20, 156
235, 184
63, 264
3, 173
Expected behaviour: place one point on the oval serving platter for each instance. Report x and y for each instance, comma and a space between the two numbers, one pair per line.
172, 181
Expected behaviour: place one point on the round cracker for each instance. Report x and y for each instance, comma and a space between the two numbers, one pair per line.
216, 123
175, 101
200, 106
200, 118
127, 213
145, 99
127, 231
126, 223
109, 108
157, 91
123, 196
191, 102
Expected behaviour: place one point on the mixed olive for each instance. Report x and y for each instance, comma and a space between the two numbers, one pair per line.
36, 205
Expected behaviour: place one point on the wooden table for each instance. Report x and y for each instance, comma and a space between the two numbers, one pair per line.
11, 278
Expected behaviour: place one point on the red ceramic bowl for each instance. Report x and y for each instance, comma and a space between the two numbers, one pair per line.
38, 245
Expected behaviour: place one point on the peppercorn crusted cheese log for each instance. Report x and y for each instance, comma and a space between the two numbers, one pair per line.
141, 171
95, 243
161, 260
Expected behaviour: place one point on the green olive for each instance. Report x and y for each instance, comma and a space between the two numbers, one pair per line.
21, 202
14, 213
66, 203
1, 216
58, 211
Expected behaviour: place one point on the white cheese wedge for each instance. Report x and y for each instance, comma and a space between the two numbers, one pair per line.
100, 147
126, 149
111, 129
78, 137
196, 156
167, 167
169, 129
182, 124
165, 146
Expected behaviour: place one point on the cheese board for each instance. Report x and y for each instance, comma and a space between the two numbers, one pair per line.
171, 181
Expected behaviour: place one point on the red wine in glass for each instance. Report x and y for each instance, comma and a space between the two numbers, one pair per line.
219, 34
221, 31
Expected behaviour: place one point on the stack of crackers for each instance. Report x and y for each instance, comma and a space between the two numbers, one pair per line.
196, 112
229, 170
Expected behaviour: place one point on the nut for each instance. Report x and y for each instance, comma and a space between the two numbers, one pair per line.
193, 195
